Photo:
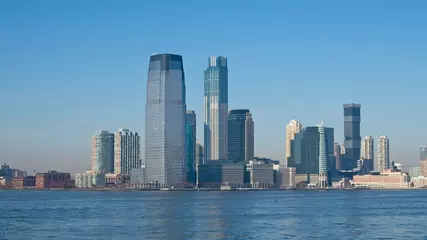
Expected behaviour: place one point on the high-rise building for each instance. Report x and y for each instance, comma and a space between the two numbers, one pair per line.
423, 152
323, 165
237, 135
337, 155
126, 151
352, 137
102, 152
414, 172
249, 137
383, 154
292, 128
190, 146
199, 154
367, 150
165, 121
216, 109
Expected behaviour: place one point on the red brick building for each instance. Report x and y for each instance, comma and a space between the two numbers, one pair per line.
52, 179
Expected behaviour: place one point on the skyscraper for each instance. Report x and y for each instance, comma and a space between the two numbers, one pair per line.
190, 146
102, 152
216, 109
236, 135
383, 154
292, 128
165, 121
199, 154
352, 137
367, 149
337, 155
249, 137
323, 165
126, 151
423, 159
423, 152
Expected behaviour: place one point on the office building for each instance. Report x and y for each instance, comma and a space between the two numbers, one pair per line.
126, 151
137, 178
165, 121
216, 109
260, 174
240, 135
89, 179
52, 179
423, 152
102, 152
190, 147
221, 173
383, 154
367, 148
292, 129
414, 172
352, 137
386, 179
337, 155
249, 137
323, 165
199, 154
287, 179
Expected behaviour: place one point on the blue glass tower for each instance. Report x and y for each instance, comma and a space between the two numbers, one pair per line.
352, 139
236, 135
165, 121
216, 109
190, 146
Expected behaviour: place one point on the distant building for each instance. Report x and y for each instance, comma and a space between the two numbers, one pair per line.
236, 135
126, 151
216, 109
337, 155
367, 150
386, 179
423, 152
292, 129
423, 168
221, 173
260, 175
137, 177
52, 179
383, 154
199, 154
414, 172
249, 137
287, 177
352, 139
6, 171
30, 181
17, 183
89, 180
190, 147
323, 164
103, 152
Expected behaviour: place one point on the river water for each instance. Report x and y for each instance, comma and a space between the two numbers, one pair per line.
364, 214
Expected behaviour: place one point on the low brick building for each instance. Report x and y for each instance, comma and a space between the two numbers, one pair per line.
17, 183
52, 179
30, 182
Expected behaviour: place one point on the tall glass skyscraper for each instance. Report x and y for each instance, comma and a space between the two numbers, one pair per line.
423, 152
190, 146
352, 137
165, 121
236, 134
323, 164
126, 151
249, 137
102, 152
216, 109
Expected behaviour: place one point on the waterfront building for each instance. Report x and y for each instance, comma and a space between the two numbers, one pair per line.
367, 148
199, 154
259, 174
221, 173
423, 152
414, 172
89, 179
383, 154
287, 177
352, 139
249, 137
30, 181
419, 182
323, 165
165, 121
190, 147
17, 183
52, 179
386, 179
423, 168
102, 152
137, 177
292, 129
126, 151
216, 109
337, 155
240, 135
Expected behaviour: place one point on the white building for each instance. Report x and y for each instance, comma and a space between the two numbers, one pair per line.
249, 137
292, 128
89, 179
367, 148
383, 154
102, 152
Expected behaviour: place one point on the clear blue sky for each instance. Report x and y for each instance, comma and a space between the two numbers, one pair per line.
69, 68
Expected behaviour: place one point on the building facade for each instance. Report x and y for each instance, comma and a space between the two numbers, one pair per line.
367, 149
383, 154
126, 151
165, 121
190, 146
352, 139
216, 109
292, 129
249, 137
199, 154
237, 135
423, 152
337, 155
89, 180
220, 173
102, 152
260, 175
323, 164
386, 179
52, 179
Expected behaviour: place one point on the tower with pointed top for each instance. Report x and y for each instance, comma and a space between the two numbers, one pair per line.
323, 167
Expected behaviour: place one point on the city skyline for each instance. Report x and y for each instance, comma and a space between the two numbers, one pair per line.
352, 55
